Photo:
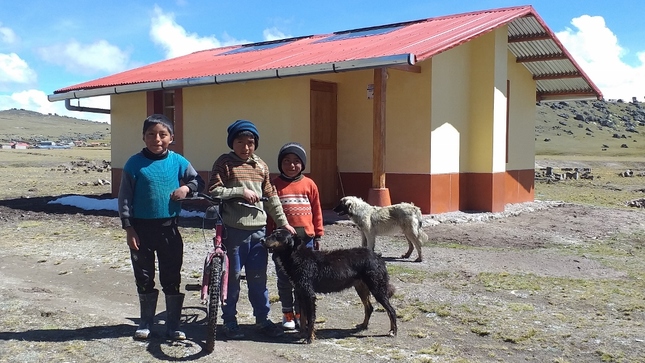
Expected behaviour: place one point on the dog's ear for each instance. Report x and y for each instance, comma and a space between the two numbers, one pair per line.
295, 241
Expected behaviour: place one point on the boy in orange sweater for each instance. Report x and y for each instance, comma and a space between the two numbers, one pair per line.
301, 204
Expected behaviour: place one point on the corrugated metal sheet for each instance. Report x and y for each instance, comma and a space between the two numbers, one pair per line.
530, 40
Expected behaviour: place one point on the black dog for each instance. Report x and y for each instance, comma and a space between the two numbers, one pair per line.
314, 272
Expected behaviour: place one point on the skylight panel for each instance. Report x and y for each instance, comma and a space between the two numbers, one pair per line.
359, 33
254, 47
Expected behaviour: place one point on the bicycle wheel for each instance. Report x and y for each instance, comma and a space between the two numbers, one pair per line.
214, 287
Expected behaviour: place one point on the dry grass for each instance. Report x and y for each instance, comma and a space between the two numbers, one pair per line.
34, 172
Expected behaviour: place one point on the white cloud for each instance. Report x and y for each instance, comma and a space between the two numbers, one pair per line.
597, 50
36, 100
274, 34
176, 41
13, 69
7, 35
100, 56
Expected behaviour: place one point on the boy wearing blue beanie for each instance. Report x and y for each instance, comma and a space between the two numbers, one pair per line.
242, 175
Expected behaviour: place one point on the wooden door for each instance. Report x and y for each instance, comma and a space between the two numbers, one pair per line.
322, 164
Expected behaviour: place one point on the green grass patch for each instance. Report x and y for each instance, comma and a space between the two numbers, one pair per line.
406, 274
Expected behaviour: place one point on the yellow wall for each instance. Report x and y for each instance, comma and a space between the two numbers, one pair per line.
279, 108
487, 152
354, 133
408, 126
450, 110
521, 146
127, 116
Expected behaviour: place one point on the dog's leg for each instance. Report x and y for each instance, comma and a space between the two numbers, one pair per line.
364, 293
371, 241
414, 240
380, 293
307, 315
364, 239
302, 306
410, 248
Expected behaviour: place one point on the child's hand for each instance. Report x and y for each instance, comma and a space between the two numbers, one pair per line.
289, 228
132, 238
179, 193
317, 243
250, 196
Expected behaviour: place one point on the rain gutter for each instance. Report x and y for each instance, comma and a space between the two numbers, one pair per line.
335, 67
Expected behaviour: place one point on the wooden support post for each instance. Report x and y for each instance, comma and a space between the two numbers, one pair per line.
379, 195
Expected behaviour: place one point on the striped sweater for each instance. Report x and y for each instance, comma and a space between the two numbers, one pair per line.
301, 204
229, 177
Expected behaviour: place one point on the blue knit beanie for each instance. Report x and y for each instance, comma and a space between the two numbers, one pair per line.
239, 126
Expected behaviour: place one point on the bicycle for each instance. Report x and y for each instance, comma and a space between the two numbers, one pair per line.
214, 284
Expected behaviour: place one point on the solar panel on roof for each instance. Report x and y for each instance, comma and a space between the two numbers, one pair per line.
358, 34
254, 47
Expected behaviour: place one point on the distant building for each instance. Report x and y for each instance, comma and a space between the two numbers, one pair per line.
51, 145
20, 145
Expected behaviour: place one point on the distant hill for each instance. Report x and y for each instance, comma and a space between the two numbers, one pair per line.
613, 128
33, 127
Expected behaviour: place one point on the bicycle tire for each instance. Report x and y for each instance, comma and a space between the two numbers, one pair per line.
214, 288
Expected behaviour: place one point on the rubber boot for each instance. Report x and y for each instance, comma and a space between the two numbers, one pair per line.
148, 306
174, 303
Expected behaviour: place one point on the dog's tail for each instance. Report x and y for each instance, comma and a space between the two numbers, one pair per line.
422, 235
390, 290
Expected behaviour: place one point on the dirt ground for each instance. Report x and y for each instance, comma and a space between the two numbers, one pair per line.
548, 283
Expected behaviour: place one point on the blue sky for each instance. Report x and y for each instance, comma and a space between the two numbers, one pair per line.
46, 45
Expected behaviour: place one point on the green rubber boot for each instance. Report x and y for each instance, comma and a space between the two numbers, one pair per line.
174, 303
148, 306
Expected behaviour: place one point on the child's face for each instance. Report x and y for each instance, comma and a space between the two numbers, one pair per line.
244, 146
157, 138
291, 165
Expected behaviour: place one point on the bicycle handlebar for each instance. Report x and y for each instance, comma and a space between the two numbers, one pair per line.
218, 201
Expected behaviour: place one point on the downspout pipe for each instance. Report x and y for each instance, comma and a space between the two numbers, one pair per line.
69, 106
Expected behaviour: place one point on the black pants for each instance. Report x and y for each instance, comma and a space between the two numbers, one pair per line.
160, 237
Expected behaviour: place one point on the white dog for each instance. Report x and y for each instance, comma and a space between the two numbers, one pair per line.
373, 221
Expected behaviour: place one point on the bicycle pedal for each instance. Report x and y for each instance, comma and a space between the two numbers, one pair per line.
193, 287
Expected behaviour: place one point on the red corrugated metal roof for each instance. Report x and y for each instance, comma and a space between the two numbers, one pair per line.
416, 40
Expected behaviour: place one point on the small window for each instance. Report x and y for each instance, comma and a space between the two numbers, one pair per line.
359, 33
169, 105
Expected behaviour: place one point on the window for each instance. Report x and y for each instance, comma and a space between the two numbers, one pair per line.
170, 104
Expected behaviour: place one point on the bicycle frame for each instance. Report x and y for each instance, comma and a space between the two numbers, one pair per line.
216, 265
217, 251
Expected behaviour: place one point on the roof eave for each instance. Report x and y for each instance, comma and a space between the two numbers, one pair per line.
334, 67
567, 96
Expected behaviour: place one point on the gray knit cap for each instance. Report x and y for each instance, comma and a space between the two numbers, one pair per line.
292, 148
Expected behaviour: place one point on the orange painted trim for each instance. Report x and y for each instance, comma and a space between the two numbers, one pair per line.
520, 186
482, 192
444, 193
